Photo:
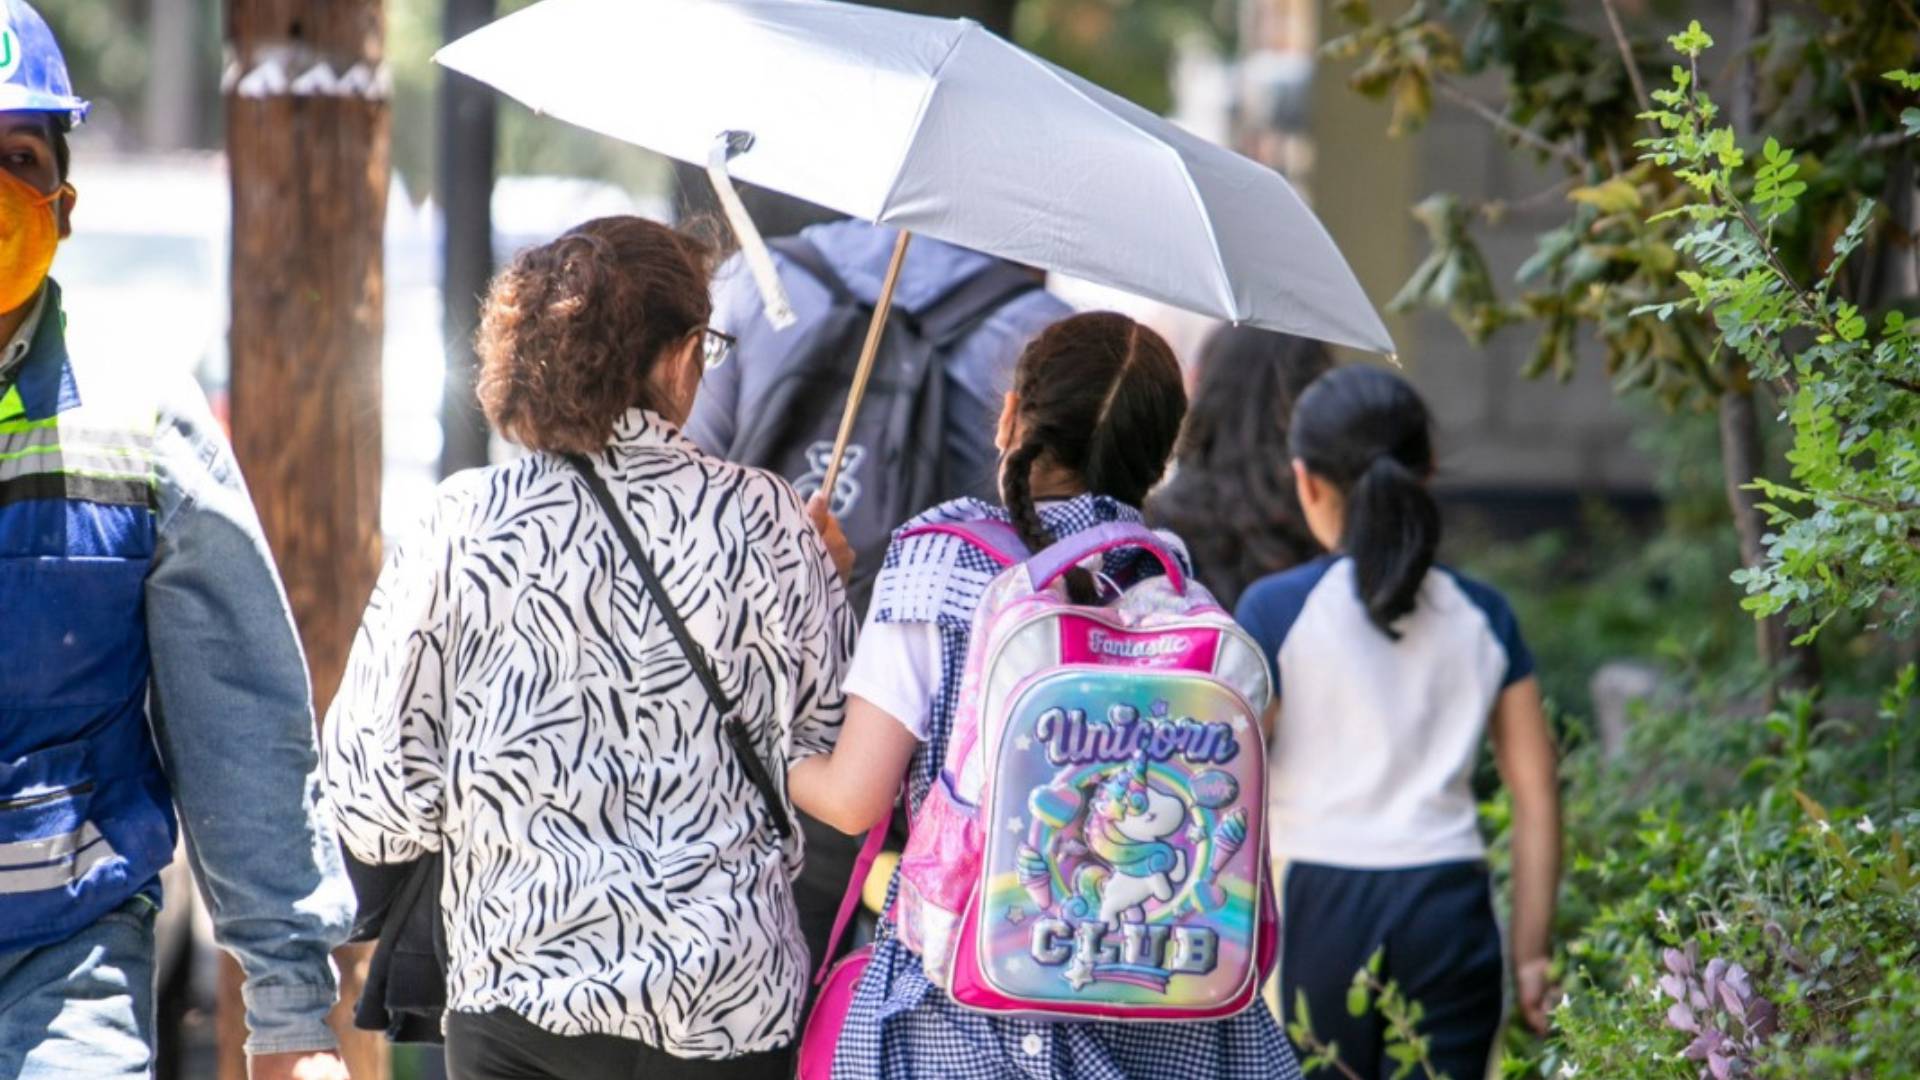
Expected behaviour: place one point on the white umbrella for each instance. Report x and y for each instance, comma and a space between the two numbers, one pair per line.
936, 126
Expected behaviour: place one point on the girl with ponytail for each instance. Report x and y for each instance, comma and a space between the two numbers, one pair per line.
1390, 670
1086, 431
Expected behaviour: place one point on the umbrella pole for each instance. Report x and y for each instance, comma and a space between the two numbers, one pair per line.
875, 330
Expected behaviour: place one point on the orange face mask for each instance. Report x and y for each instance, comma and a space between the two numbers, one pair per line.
29, 231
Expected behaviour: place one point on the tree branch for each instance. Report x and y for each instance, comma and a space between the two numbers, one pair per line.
1626, 58
1907, 8
1460, 97
1898, 383
1528, 202
1885, 140
1872, 503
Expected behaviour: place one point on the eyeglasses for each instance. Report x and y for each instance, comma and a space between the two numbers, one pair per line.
715, 346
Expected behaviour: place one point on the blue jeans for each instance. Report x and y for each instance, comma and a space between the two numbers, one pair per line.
82, 1009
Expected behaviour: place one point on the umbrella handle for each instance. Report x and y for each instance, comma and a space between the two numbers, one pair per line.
864, 372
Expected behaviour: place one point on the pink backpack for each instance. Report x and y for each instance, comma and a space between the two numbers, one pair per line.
1095, 846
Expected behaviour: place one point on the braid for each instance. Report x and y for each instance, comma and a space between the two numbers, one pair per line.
1017, 482
1017, 488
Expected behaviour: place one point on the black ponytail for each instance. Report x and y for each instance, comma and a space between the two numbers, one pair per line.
1101, 398
1368, 433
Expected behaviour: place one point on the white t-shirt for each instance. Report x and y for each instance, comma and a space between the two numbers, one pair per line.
896, 666
1373, 754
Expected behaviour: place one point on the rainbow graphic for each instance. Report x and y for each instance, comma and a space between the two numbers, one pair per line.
1129, 879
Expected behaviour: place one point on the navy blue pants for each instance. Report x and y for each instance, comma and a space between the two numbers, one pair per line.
1442, 946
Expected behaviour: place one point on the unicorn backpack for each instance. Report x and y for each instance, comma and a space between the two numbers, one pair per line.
1094, 846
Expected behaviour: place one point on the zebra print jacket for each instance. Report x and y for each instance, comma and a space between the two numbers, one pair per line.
514, 699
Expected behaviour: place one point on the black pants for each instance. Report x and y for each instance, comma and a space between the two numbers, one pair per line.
821, 886
1442, 946
502, 1045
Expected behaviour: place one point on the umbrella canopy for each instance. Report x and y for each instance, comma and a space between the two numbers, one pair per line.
939, 127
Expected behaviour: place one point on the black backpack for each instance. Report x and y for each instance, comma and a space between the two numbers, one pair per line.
896, 463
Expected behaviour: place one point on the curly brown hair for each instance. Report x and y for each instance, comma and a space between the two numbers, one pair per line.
572, 330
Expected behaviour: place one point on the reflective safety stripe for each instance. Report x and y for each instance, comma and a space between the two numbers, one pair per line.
121, 464
50, 437
90, 849
26, 853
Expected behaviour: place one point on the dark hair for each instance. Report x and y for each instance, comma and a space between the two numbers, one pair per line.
572, 330
1231, 497
1365, 430
1100, 396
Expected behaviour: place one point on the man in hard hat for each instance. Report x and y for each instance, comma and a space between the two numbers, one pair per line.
147, 661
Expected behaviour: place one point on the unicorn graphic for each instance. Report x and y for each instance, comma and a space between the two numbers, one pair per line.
1128, 822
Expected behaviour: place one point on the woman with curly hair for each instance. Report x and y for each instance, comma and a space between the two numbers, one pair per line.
1231, 496
602, 784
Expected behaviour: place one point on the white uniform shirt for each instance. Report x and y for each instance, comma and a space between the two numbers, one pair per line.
1373, 754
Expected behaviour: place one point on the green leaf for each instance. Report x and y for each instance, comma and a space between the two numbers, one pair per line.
1616, 196
1691, 42
1357, 1002
1814, 810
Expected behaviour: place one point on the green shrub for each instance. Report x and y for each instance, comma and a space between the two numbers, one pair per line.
1779, 844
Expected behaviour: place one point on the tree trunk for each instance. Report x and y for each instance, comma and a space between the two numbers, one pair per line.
468, 135
1742, 457
307, 140
1742, 453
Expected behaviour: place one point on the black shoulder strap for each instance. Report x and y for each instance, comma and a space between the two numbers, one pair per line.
736, 730
970, 304
945, 323
808, 258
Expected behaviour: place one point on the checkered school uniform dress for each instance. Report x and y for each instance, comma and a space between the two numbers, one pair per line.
901, 1025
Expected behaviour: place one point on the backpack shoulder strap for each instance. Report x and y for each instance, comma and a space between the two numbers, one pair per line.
802, 253
961, 311
997, 540
850, 900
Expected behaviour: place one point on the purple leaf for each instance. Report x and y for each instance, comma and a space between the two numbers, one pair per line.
1719, 1066
1675, 987
1680, 963
1716, 970
1696, 1050
1731, 997
1698, 1000
1764, 1018
1737, 977
1680, 1018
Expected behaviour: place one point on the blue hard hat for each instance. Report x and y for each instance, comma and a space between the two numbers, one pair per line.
33, 74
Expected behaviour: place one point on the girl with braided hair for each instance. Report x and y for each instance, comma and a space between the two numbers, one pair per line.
1086, 432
